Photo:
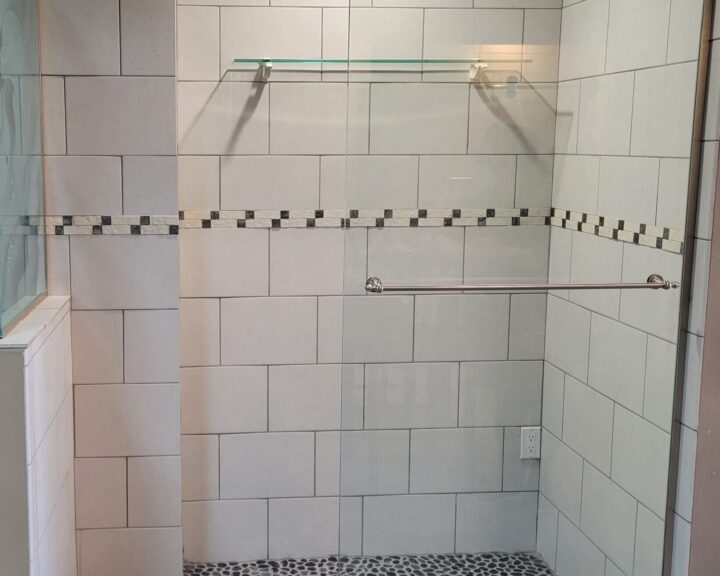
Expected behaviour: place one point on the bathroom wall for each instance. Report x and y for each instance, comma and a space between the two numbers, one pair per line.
433, 180
109, 103
623, 139
37, 505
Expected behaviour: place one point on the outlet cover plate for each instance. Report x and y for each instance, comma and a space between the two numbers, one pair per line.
530, 443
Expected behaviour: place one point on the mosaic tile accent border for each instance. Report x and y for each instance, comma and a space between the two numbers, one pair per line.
489, 564
364, 218
668, 239
662, 238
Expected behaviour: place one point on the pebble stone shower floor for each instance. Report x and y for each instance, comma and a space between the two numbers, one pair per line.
494, 564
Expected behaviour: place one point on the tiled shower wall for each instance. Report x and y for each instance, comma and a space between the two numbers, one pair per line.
624, 130
109, 104
280, 348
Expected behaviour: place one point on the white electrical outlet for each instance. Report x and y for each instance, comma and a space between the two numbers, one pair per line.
530, 443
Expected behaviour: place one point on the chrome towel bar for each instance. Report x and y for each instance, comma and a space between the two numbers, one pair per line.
654, 282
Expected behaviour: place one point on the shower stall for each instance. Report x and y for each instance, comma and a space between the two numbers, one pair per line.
431, 307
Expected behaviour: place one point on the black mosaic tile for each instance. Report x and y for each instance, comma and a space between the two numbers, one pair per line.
489, 564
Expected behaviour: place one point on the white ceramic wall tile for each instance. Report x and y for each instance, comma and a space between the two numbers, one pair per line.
362, 342
416, 255
672, 192
421, 524
269, 182
101, 500
411, 395
684, 33
637, 34
659, 382
273, 465
658, 315
199, 332
583, 41
327, 464
693, 373
553, 399
97, 341
198, 47
147, 38
649, 543
566, 348
151, 345
560, 259
467, 327
400, 122
127, 420
351, 526
588, 423
596, 259
623, 378
223, 531
681, 547
468, 181
53, 114
506, 254
57, 258
83, 185
198, 183
662, 119
330, 329
541, 39
606, 107
374, 462
609, 517
547, 530
500, 393
224, 399
496, 522
706, 194
223, 262
269, 330
519, 475
533, 188
527, 326
306, 262
200, 458
268, 33
699, 296
575, 553
103, 116
149, 185
304, 397
124, 272
576, 182
154, 491
567, 117
308, 118
629, 188
454, 460
712, 110
223, 118
369, 181
473, 34
141, 551
526, 124
632, 436
561, 476
686, 473
80, 37
303, 527
391, 33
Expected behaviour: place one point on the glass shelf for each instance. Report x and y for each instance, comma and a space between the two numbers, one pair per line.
475, 66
